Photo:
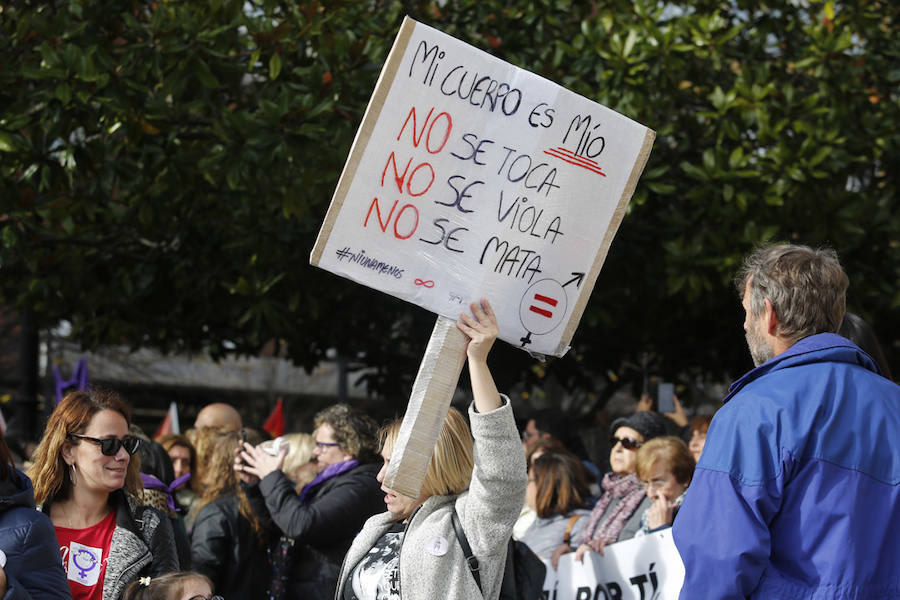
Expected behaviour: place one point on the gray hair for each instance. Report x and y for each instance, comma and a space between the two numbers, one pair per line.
806, 287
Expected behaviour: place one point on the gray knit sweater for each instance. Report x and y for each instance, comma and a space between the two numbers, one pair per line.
487, 511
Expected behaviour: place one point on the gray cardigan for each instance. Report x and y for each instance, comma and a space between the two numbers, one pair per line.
487, 511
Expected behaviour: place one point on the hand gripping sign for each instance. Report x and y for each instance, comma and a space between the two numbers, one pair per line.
469, 178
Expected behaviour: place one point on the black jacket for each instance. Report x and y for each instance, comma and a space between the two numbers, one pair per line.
225, 549
33, 567
322, 526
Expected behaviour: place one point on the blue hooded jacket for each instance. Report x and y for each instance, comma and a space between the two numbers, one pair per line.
797, 492
33, 564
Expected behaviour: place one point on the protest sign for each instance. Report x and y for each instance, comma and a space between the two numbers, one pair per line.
644, 568
469, 178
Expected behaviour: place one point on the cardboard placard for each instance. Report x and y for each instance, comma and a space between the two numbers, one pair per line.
469, 178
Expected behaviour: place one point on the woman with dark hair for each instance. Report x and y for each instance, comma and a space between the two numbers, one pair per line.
87, 480
557, 491
329, 511
698, 426
184, 463
858, 331
27, 539
229, 543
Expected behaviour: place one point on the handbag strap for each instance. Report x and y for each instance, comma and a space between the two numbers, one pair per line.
467, 550
568, 535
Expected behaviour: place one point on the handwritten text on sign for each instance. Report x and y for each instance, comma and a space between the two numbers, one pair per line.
473, 178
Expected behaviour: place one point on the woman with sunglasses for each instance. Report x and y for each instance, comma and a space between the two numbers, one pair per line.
324, 517
617, 515
86, 479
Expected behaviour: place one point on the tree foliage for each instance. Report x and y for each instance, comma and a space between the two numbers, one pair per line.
166, 166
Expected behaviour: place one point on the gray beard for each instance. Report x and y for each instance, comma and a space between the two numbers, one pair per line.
760, 352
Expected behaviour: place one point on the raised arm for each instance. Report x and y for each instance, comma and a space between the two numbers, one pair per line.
481, 328
497, 490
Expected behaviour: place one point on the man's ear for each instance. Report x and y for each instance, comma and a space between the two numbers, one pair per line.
771, 318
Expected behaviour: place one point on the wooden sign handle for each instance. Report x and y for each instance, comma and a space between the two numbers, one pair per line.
427, 408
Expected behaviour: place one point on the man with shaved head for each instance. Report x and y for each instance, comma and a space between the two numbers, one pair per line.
219, 414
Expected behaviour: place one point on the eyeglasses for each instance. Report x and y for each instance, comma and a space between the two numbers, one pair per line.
110, 446
325, 445
206, 598
655, 484
627, 443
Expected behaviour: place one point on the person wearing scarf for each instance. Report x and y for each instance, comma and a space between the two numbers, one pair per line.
318, 524
616, 516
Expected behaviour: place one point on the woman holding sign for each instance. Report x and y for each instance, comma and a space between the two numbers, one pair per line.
412, 551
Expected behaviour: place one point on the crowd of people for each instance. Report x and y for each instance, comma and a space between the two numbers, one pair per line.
771, 497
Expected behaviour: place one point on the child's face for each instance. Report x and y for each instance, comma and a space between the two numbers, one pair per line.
195, 589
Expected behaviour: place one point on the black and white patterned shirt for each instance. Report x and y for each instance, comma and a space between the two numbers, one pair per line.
377, 575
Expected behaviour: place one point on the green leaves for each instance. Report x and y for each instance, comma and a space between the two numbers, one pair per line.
164, 170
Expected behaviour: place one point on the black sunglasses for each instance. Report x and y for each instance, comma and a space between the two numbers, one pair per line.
110, 446
627, 443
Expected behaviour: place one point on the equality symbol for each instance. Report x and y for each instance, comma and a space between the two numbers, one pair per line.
542, 308
543, 300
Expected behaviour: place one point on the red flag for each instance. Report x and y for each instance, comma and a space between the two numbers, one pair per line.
170, 424
274, 425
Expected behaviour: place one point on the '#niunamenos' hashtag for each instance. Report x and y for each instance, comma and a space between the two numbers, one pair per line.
369, 262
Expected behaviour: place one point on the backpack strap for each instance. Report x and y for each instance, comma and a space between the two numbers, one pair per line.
568, 535
467, 550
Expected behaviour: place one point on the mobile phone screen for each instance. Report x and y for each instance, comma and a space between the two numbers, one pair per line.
665, 397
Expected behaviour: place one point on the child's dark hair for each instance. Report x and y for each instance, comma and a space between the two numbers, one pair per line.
164, 587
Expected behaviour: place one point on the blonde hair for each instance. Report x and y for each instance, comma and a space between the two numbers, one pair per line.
300, 452
49, 472
673, 452
450, 469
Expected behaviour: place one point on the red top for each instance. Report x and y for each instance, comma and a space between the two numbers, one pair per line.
84, 555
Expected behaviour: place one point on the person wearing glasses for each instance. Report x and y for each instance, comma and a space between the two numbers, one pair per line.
616, 516
87, 481
182, 585
327, 513
665, 466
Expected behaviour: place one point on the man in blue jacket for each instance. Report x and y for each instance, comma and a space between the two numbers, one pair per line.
797, 493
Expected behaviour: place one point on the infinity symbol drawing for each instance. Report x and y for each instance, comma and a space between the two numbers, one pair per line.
427, 283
